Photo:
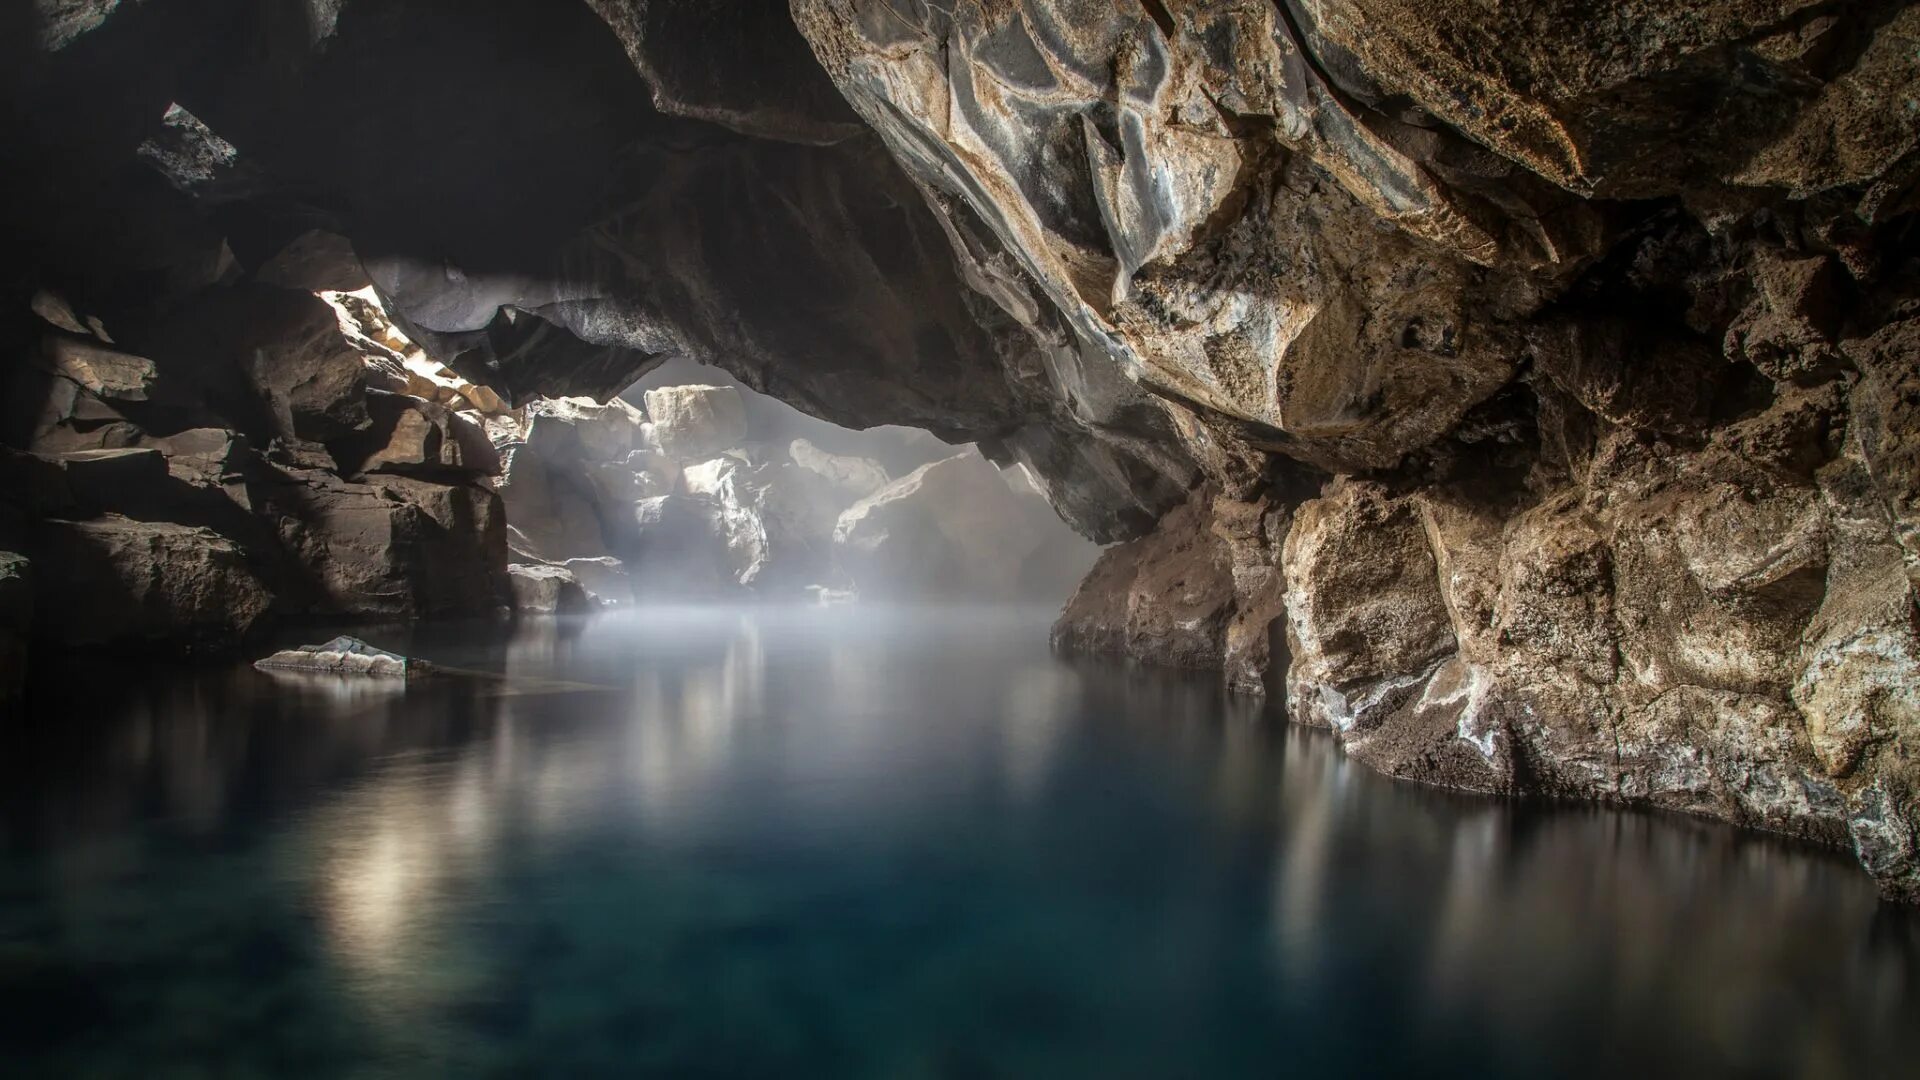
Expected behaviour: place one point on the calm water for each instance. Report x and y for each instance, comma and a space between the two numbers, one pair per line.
802, 844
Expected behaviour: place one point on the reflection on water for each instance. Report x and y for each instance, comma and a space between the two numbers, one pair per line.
702, 842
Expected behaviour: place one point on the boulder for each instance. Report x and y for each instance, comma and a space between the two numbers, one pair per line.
694, 422
604, 579
268, 361
580, 429
539, 589
420, 438
680, 552
851, 478
775, 521
128, 583
105, 373
1200, 591
344, 656
551, 506
389, 545
315, 261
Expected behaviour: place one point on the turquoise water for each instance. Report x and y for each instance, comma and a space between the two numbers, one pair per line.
834, 843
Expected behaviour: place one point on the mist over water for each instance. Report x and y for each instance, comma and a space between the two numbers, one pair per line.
868, 841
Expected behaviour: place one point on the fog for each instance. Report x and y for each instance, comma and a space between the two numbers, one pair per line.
795, 836
693, 487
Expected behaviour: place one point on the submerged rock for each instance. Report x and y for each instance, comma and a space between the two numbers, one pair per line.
344, 656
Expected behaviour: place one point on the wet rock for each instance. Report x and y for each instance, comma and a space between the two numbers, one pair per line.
390, 546
695, 422
1166, 598
547, 590
344, 656
127, 583
16, 619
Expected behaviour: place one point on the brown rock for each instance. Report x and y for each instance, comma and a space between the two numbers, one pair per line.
419, 438
126, 583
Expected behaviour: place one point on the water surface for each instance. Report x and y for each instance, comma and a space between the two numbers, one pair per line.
699, 843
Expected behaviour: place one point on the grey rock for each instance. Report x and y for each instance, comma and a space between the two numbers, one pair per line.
344, 656
547, 590
604, 578
692, 423
952, 529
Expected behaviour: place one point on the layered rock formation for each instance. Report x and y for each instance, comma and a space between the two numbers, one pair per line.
1535, 384
232, 462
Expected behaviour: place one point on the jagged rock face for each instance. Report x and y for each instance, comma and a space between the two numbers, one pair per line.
1543, 375
694, 422
1622, 501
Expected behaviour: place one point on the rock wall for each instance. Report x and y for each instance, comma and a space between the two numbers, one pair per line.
244, 458
1546, 366
1534, 384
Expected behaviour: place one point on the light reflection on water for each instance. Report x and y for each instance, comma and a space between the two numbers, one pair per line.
799, 842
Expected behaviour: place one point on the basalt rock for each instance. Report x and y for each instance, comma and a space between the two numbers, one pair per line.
389, 545
420, 438
127, 583
1533, 383
547, 590
344, 656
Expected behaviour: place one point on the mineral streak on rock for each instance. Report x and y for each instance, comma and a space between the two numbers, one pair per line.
345, 656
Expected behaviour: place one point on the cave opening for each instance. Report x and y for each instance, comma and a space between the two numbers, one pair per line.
871, 537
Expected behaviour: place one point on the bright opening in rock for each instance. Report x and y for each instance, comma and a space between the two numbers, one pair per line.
897, 538
690, 485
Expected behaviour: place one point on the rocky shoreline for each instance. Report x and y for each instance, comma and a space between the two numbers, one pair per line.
1530, 392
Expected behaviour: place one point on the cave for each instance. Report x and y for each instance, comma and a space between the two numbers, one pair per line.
965, 538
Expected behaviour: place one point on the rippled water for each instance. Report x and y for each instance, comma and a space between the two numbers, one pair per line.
837, 843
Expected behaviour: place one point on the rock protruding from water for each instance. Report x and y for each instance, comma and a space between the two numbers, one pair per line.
548, 590
344, 656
